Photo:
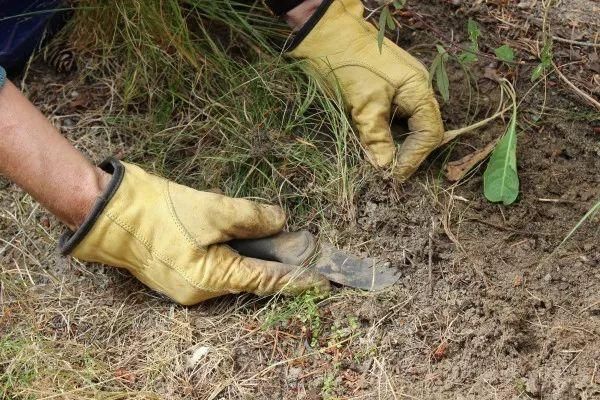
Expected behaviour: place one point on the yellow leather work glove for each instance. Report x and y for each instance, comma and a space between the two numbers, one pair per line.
169, 236
342, 47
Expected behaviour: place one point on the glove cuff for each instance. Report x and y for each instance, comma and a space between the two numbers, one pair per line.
308, 26
69, 240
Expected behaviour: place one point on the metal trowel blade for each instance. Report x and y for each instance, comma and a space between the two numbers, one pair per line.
346, 269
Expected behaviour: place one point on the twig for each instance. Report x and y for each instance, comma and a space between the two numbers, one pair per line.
557, 201
588, 307
430, 258
450, 135
450, 234
571, 363
580, 92
575, 42
275, 342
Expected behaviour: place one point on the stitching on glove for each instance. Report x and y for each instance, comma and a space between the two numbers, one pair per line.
182, 229
402, 108
155, 254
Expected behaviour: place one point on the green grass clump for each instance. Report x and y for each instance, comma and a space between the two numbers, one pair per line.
303, 309
202, 97
15, 372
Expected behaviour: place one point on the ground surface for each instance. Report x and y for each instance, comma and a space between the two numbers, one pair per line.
488, 305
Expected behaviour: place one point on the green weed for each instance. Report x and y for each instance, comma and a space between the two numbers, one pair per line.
520, 386
329, 386
342, 332
438, 73
469, 56
303, 308
545, 62
546, 52
15, 371
501, 179
505, 53
386, 21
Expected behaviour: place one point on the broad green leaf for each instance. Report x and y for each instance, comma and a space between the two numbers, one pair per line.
398, 4
500, 180
390, 22
441, 80
537, 72
505, 53
474, 31
382, 22
467, 57
470, 56
438, 70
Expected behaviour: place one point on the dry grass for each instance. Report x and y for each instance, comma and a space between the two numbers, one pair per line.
460, 323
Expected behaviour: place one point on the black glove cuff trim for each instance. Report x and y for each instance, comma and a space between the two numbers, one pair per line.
280, 7
69, 240
308, 25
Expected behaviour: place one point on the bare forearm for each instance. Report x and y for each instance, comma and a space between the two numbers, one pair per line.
299, 15
42, 162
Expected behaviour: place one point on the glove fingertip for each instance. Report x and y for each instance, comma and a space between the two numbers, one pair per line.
316, 283
383, 156
300, 282
263, 278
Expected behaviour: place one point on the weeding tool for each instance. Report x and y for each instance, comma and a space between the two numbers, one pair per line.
339, 266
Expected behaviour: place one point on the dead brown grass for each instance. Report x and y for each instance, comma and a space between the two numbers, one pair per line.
470, 317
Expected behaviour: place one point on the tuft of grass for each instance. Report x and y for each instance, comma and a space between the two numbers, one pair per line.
304, 309
15, 372
190, 107
589, 215
194, 91
153, 50
34, 367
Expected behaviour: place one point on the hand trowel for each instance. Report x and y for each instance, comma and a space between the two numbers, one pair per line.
339, 266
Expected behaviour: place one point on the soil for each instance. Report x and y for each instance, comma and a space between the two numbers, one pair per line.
489, 304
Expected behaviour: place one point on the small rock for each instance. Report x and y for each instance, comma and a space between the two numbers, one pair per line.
292, 376
465, 304
198, 354
532, 385
548, 278
526, 5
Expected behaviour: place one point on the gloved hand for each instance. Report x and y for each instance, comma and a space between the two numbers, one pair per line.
342, 47
169, 236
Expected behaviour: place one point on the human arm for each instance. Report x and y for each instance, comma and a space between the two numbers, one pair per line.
169, 236
35, 156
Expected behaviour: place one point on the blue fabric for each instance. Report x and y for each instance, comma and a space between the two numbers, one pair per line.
2, 76
22, 27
